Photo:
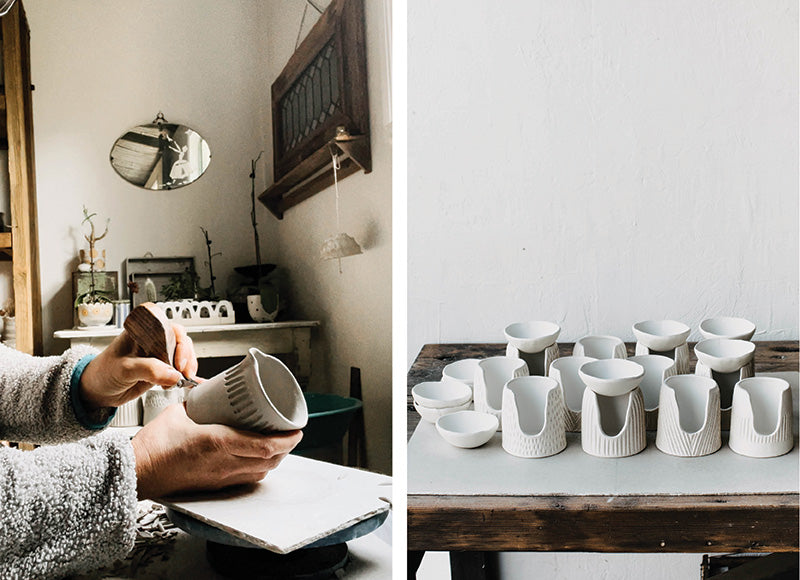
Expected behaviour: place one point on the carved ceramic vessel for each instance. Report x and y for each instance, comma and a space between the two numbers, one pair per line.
533, 417
657, 369
664, 337
128, 414
613, 426
565, 372
761, 417
461, 370
689, 416
492, 375
534, 342
600, 347
467, 429
157, 399
727, 361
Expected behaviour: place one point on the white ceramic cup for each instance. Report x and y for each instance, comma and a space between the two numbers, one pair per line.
491, 376
258, 394
689, 416
533, 417
657, 369
761, 417
565, 371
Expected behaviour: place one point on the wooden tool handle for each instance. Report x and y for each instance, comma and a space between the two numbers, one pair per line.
152, 332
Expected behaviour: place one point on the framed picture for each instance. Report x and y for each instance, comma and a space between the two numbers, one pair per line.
150, 275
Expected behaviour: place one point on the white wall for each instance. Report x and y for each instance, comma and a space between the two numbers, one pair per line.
595, 164
599, 163
354, 306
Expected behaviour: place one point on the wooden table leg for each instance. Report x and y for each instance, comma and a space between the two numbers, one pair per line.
413, 560
302, 350
474, 566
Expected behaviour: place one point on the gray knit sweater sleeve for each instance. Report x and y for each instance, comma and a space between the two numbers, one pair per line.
65, 508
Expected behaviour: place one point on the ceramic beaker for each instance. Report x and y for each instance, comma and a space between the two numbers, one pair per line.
727, 361
600, 347
689, 416
533, 417
258, 394
657, 369
491, 376
565, 372
534, 342
664, 337
761, 417
613, 426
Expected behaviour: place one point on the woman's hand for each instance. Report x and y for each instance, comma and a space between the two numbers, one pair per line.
173, 454
117, 375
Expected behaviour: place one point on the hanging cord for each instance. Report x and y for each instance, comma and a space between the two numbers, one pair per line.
336, 167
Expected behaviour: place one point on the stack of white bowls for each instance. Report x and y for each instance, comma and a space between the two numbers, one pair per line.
434, 399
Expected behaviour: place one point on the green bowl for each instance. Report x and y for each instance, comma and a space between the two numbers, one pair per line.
328, 419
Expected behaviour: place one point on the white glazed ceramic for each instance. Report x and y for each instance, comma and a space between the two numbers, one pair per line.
533, 417
537, 362
761, 417
613, 426
727, 327
565, 372
532, 336
724, 355
258, 394
97, 314
431, 415
461, 370
128, 414
680, 354
661, 335
467, 429
490, 378
612, 376
441, 394
256, 309
657, 369
600, 347
157, 399
689, 416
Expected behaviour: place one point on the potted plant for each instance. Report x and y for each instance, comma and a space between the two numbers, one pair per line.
95, 306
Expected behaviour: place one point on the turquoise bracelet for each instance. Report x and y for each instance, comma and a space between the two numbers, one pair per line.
84, 417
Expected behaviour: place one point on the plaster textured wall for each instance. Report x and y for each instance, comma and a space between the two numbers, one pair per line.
599, 163
354, 306
103, 67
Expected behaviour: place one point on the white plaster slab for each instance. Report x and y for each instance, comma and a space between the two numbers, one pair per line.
298, 503
437, 468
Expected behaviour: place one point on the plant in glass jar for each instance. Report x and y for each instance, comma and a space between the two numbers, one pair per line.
95, 306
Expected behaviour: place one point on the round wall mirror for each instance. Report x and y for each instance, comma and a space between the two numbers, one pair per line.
160, 155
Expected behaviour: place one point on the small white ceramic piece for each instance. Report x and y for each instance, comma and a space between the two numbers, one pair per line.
533, 417
613, 426
657, 369
600, 347
611, 376
565, 372
198, 313
157, 399
689, 416
727, 361
534, 342
257, 311
467, 429
664, 337
128, 414
96, 314
727, 327
258, 394
431, 415
490, 378
441, 394
761, 417
461, 370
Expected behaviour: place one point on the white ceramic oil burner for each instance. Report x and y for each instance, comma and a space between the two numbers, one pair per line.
689, 416
461, 370
565, 372
657, 368
761, 417
727, 361
664, 337
533, 417
258, 394
490, 378
600, 347
534, 342
727, 327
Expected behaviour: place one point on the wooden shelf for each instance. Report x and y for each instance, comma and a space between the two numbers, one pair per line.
5, 241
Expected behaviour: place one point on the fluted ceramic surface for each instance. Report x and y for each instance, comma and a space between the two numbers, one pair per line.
600, 347
490, 378
761, 417
533, 417
128, 414
657, 369
680, 354
629, 440
565, 372
689, 417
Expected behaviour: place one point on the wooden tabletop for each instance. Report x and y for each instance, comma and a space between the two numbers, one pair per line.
761, 522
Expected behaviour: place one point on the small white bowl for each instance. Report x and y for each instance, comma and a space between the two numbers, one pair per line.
461, 370
441, 394
727, 327
467, 429
724, 355
661, 335
612, 376
534, 336
431, 415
